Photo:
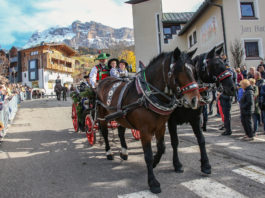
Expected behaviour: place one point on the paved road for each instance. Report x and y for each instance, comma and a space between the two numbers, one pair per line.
42, 157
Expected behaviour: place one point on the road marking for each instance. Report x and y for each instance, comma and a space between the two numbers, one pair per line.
141, 194
252, 172
208, 188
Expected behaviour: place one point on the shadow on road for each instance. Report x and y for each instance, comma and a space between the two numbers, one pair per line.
45, 103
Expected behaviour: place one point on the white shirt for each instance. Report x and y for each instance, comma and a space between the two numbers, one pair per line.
114, 72
93, 75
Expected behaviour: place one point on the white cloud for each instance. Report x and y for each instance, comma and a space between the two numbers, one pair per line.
60, 13
63, 12
180, 5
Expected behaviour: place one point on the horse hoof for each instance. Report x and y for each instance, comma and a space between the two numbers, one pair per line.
124, 157
155, 189
110, 157
206, 171
179, 170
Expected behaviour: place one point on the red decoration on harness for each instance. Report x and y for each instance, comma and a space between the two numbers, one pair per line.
224, 75
189, 87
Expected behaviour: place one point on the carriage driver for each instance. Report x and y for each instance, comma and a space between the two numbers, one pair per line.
100, 71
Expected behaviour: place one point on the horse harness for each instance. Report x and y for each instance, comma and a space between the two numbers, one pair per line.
207, 87
148, 96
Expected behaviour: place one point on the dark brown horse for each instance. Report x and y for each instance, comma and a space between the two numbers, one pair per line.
209, 68
153, 95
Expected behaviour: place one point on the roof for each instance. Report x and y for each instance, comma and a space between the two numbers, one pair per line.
58, 46
195, 16
179, 17
135, 1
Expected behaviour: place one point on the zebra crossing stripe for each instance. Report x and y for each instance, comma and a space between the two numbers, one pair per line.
208, 188
141, 194
252, 172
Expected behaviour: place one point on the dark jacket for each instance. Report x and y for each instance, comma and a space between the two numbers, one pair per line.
247, 102
226, 101
245, 74
260, 83
262, 74
250, 76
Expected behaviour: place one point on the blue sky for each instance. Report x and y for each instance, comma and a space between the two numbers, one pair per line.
20, 18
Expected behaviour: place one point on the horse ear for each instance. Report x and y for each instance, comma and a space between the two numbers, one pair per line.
190, 54
176, 53
211, 53
219, 51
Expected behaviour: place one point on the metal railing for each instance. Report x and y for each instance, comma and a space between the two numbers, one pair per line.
8, 110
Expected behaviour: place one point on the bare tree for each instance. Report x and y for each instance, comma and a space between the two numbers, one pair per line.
237, 53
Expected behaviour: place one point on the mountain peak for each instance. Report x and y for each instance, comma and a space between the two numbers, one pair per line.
89, 34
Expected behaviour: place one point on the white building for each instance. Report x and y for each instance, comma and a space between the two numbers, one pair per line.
243, 20
42, 64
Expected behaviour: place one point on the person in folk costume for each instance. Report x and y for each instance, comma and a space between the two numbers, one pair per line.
113, 64
122, 68
85, 84
65, 90
100, 71
58, 87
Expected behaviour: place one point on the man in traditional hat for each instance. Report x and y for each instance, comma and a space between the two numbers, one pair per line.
100, 71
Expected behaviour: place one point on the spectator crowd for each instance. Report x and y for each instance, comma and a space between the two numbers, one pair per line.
250, 96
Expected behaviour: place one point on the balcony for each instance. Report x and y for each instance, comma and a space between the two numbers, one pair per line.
54, 66
13, 69
13, 59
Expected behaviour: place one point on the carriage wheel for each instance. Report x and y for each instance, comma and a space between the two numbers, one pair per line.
136, 134
75, 118
90, 132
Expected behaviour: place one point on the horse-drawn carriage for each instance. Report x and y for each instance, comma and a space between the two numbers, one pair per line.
167, 90
84, 114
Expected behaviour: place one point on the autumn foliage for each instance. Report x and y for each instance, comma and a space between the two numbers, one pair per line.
129, 56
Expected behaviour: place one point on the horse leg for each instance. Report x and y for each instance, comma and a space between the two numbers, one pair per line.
124, 152
148, 156
172, 127
105, 133
205, 165
160, 146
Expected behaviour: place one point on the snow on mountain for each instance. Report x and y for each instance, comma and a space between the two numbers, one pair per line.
89, 34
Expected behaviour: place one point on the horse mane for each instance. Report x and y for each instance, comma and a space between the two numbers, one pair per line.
155, 59
199, 58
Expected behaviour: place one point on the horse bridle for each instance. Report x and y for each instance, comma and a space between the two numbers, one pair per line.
180, 90
217, 79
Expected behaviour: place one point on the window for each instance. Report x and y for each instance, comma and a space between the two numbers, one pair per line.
251, 49
194, 37
33, 70
190, 40
247, 10
34, 53
167, 30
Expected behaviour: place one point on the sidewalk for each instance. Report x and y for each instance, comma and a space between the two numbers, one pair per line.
250, 151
